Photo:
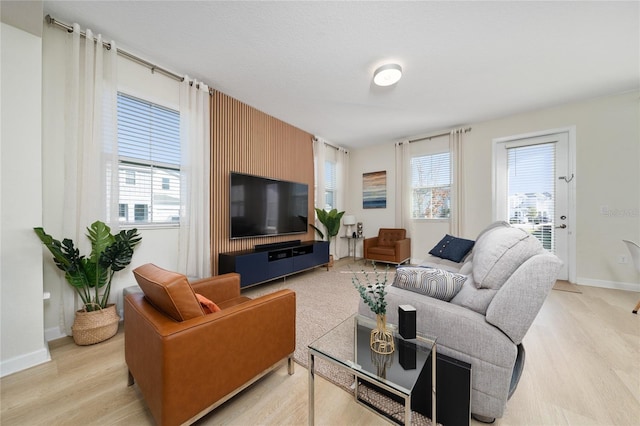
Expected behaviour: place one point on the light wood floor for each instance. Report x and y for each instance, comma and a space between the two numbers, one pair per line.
582, 368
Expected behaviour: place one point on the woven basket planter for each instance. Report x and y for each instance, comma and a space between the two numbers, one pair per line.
95, 326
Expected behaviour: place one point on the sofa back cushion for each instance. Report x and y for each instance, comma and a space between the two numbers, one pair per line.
499, 252
471, 297
168, 291
388, 236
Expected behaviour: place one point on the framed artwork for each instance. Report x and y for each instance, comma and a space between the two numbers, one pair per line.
374, 190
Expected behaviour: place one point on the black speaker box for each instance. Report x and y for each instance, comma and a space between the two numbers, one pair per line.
407, 321
453, 391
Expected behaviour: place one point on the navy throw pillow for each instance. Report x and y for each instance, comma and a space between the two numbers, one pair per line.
452, 248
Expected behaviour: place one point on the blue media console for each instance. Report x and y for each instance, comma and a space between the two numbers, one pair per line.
269, 262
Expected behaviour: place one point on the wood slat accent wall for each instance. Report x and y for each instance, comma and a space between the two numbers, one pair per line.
246, 140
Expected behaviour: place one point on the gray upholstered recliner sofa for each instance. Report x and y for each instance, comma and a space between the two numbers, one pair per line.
485, 310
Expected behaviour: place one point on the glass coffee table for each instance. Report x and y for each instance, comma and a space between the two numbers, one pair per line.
347, 346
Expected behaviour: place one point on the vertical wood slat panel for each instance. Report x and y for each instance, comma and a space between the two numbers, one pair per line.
246, 140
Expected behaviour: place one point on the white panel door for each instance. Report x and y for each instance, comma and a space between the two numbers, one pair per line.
533, 190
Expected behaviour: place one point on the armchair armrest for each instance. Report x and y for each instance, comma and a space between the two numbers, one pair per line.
367, 243
403, 249
218, 288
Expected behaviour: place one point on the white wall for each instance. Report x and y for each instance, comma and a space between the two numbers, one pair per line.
424, 234
607, 174
159, 245
22, 342
373, 159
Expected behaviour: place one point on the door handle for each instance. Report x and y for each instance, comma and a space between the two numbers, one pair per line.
561, 226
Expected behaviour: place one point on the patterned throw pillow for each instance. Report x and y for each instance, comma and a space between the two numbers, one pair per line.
436, 283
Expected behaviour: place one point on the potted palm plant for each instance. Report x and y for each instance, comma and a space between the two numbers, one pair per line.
331, 221
91, 277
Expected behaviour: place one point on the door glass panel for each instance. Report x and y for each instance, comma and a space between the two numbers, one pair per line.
531, 190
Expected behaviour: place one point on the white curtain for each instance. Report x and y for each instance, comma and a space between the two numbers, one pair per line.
342, 173
194, 252
342, 176
319, 155
91, 153
403, 187
457, 182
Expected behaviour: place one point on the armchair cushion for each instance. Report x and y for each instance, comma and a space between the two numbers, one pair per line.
168, 291
383, 250
452, 248
436, 283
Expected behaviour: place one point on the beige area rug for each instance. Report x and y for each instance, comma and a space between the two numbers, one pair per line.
324, 299
562, 285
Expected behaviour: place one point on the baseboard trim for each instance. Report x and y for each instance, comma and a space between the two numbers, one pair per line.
25, 361
53, 333
609, 284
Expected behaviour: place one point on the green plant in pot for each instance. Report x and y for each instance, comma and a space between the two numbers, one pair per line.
373, 292
331, 221
91, 276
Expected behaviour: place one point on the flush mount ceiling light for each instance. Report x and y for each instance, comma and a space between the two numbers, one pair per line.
388, 74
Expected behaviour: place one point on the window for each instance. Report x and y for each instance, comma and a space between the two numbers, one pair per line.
329, 185
130, 177
123, 212
141, 212
149, 161
431, 186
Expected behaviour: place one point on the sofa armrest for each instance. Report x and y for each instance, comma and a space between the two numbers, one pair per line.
403, 249
517, 303
218, 288
184, 367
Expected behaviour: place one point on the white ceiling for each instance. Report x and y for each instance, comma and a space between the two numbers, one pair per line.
310, 63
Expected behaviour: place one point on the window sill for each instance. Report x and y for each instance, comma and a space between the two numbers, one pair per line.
150, 226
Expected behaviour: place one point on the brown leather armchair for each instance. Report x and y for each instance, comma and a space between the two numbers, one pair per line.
186, 362
391, 246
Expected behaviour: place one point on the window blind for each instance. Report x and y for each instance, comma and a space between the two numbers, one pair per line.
149, 161
330, 184
431, 186
531, 190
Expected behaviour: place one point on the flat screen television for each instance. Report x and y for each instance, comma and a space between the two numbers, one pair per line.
260, 206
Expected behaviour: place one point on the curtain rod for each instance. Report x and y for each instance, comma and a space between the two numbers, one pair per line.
428, 138
315, 139
153, 67
332, 146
